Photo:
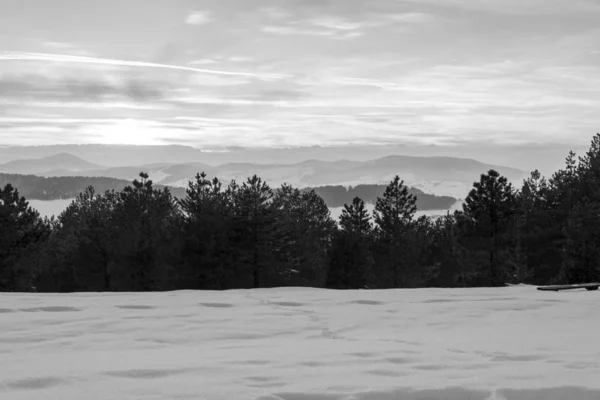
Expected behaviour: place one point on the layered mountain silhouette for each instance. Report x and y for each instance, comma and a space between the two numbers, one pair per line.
310, 173
34, 187
55, 165
436, 181
546, 157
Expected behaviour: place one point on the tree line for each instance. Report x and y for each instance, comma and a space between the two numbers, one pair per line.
249, 235
338, 196
35, 187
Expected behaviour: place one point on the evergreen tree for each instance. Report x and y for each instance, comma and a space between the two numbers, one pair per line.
397, 250
581, 229
304, 229
443, 252
486, 223
351, 261
534, 234
564, 191
254, 225
581, 263
207, 251
79, 248
147, 224
22, 231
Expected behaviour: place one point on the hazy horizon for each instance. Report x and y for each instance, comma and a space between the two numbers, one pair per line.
266, 73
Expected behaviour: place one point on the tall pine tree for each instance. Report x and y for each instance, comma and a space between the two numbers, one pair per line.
351, 261
254, 230
207, 252
487, 221
22, 231
395, 253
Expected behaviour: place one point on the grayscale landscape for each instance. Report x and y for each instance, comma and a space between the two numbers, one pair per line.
299, 199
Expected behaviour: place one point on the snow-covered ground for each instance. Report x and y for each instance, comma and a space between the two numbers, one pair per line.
512, 343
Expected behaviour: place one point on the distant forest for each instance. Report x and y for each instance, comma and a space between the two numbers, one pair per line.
337, 196
35, 187
233, 236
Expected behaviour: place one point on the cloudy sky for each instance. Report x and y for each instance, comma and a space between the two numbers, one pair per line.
213, 73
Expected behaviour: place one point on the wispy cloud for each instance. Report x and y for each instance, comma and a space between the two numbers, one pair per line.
304, 72
291, 30
276, 13
411, 17
198, 18
59, 45
71, 89
336, 23
125, 63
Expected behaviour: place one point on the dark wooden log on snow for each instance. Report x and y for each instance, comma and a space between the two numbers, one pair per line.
556, 288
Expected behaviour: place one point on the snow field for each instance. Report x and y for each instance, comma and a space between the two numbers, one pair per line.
302, 344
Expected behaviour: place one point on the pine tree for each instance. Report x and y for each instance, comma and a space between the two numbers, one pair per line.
581, 229
254, 225
22, 231
207, 252
397, 251
147, 225
486, 222
81, 242
395, 210
351, 261
443, 252
581, 262
536, 253
304, 229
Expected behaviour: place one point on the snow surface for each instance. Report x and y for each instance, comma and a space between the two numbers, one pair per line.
302, 344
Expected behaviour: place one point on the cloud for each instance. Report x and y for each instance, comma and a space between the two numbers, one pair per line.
198, 18
59, 45
338, 24
276, 13
514, 7
37, 88
410, 17
125, 63
336, 28
203, 61
493, 69
289, 30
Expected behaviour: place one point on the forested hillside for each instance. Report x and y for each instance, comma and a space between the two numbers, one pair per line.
249, 235
35, 187
337, 196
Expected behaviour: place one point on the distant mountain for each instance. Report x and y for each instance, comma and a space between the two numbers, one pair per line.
442, 176
413, 170
167, 174
547, 157
41, 188
57, 165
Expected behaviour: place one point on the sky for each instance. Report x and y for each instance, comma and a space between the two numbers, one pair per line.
282, 73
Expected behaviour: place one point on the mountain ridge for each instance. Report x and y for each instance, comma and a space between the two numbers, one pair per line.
308, 173
34, 187
60, 162
546, 157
